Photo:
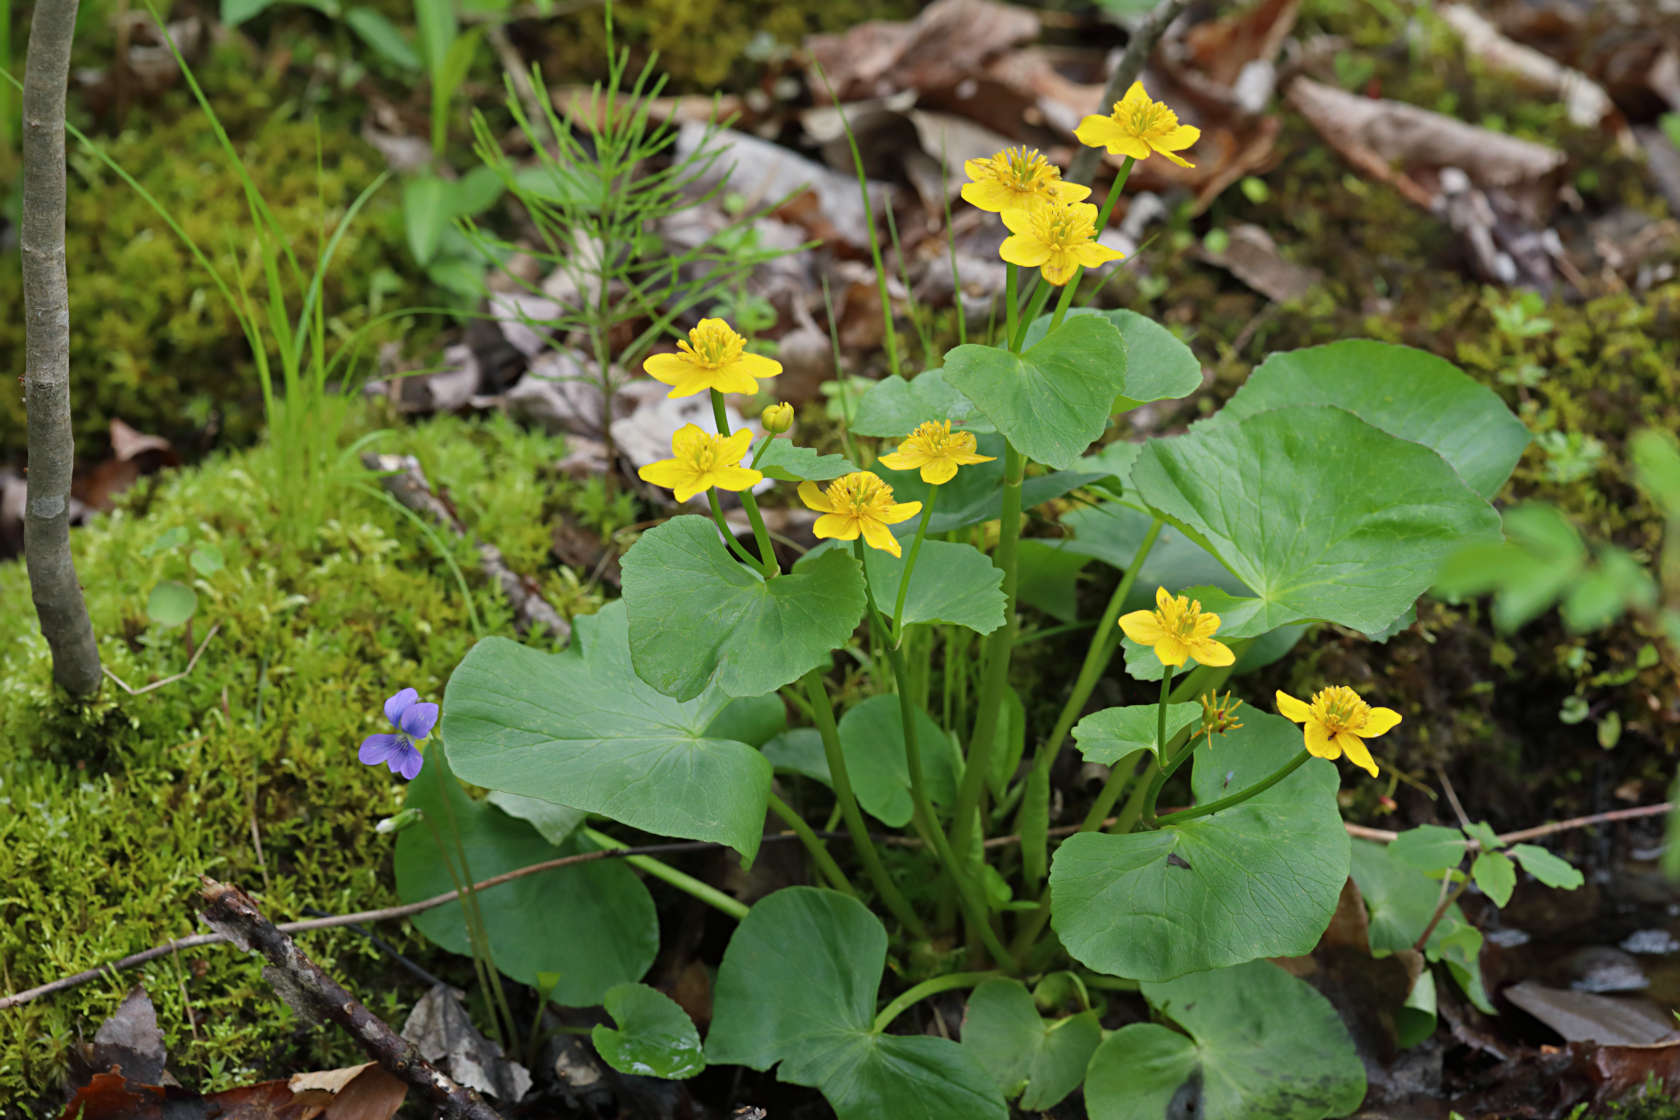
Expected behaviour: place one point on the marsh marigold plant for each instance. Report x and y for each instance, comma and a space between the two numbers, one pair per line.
857, 504
1138, 127
1338, 722
1017, 179
1178, 628
714, 356
700, 461
1057, 238
935, 450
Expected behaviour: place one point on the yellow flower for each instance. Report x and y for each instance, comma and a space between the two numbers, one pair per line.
777, 418
858, 503
703, 461
937, 450
1015, 179
1178, 628
1137, 127
1338, 722
1056, 237
714, 357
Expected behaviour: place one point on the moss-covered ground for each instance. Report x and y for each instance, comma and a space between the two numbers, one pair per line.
109, 815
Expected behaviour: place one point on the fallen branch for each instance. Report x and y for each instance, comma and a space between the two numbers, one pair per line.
1380, 835
317, 996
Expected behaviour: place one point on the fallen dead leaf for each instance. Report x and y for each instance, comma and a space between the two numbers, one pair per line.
944, 45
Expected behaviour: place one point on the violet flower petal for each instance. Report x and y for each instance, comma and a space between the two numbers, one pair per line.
377, 748
407, 762
396, 705
419, 719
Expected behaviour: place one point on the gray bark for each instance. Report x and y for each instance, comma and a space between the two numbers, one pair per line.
46, 302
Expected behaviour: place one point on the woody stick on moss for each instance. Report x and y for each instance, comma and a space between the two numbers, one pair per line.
46, 300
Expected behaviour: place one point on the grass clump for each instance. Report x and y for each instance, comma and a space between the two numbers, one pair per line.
153, 342
109, 813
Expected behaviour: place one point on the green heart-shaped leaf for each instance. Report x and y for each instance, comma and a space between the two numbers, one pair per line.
1041, 1060
1407, 393
788, 461
798, 986
1052, 400
952, 583
580, 728
1113, 733
697, 617
655, 1037
1259, 879
1322, 515
1261, 1045
1158, 365
893, 407
593, 924
872, 738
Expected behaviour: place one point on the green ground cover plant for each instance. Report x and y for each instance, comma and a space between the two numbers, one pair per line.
112, 812
875, 682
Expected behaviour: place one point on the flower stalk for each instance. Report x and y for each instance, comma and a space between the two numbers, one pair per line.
823, 711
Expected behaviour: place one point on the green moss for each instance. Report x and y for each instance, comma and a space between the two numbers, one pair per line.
704, 45
112, 811
152, 340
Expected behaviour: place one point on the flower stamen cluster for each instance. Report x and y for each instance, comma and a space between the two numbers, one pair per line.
1138, 127
1058, 238
935, 450
713, 357
858, 504
1338, 722
1017, 179
1178, 629
701, 461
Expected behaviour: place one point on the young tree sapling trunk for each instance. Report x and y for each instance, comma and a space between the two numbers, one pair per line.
46, 379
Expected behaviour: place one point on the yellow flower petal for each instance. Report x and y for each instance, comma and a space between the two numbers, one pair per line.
757, 366
1176, 158
1023, 250
1290, 708
837, 526
1069, 192
900, 511
1093, 255
1059, 269
1181, 137
1318, 741
1211, 653
1206, 625
1142, 627
1163, 601
906, 459
736, 478
877, 535
1172, 650
1379, 721
669, 368
989, 195
1354, 748
687, 440
669, 473
938, 472
733, 448
814, 498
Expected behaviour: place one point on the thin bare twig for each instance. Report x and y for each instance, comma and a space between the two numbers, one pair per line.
1452, 798
191, 661
316, 996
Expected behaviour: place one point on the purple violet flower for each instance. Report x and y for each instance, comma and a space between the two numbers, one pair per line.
413, 721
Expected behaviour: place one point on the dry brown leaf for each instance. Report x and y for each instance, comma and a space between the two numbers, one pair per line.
943, 46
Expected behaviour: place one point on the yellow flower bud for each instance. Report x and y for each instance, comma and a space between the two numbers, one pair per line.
778, 418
